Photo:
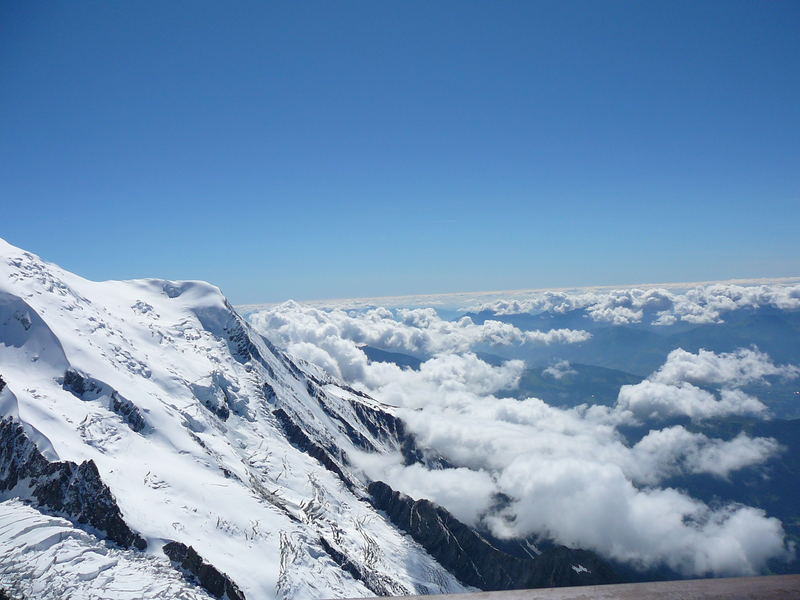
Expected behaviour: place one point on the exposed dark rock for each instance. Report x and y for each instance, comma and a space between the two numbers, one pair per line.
474, 560
298, 438
76, 384
65, 488
219, 409
287, 362
88, 388
201, 573
293, 368
2, 383
379, 584
410, 451
19, 457
172, 290
340, 559
268, 368
354, 435
356, 392
239, 336
380, 423
128, 411
385, 425
269, 393
242, 347
358, 439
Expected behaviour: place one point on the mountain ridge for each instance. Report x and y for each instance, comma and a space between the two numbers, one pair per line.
206, 436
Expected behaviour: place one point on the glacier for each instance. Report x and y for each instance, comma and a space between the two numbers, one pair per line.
205, 434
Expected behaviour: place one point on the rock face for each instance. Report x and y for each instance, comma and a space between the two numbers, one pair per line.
194, 567
75, 491
474, 561
302, 442
88, 388
383, 426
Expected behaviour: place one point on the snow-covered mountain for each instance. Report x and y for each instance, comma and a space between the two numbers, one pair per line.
152, 443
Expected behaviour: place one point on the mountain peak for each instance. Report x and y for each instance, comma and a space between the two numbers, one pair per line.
203, 432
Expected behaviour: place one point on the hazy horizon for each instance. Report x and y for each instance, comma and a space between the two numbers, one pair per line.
440, 298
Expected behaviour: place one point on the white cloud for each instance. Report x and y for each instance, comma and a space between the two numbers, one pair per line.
466, 493
593, 504
416, 331
559, 369
673, 389
698, 304
651, 400
730, 369
673, 451
569, 474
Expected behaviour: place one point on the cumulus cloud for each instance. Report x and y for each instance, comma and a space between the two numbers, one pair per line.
419, 331
673, 389
568, 474
664, 453
559, 369
574, 479
731, 369
651, 400
594, 505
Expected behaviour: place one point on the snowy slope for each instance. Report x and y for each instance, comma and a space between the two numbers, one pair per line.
204, 433
45, 557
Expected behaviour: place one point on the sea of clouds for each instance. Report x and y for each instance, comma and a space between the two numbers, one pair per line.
523, 467
698, 305
656, 304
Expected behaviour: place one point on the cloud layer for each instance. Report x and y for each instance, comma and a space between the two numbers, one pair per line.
658, 306
525, 468
313, 333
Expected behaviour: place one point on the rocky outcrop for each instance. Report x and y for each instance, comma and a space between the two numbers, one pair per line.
238, 334
128, 411
201, 573
378, 583
64, 488
216, 394
300, 440
385, 425
382, 425
474, 560
88, 388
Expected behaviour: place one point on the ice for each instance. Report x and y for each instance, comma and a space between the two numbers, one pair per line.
213, 467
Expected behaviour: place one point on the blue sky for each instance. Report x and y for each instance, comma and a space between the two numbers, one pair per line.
340, 149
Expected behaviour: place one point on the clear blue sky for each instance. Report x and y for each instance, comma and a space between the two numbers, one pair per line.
330, 149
